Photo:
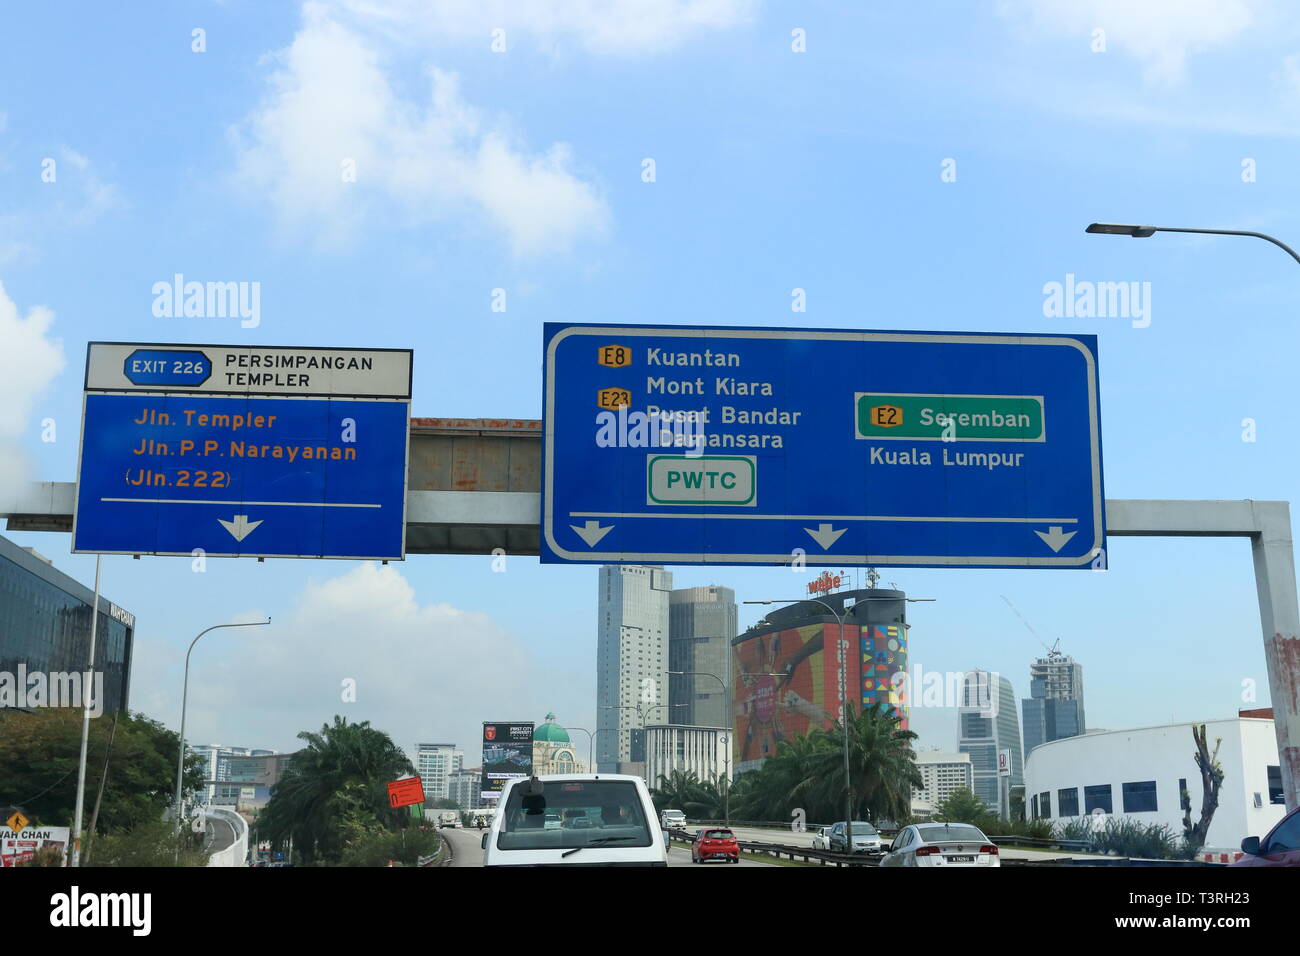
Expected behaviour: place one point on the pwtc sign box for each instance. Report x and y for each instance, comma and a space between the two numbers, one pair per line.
243, 451
826, 446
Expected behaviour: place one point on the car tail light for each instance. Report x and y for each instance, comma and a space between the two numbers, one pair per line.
990, 849
927, 851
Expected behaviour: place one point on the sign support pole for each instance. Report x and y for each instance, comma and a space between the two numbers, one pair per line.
87, 683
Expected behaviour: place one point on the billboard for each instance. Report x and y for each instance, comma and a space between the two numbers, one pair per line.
19, 848
786, 684
507, 753
787, 681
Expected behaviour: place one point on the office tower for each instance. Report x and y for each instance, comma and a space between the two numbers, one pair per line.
631, 662
987, 723
941, 774
45, 629
701, 626
435, 763
1054, 707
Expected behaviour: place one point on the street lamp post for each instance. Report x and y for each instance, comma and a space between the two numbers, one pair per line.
842, 680
1282, 684
726, 754
185, 693
1146, 232
591, 739
844, 697
640, 717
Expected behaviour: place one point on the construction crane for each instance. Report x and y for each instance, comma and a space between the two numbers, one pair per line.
1054, 651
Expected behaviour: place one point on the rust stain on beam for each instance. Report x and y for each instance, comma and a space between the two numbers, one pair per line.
475, 454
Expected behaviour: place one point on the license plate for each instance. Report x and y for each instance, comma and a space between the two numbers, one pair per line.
960, 859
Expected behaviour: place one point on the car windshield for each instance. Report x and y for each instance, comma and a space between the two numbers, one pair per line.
590, 813
946, 833
719, 835
863, 829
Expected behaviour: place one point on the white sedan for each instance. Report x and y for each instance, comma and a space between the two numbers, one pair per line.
941, 844
821, 839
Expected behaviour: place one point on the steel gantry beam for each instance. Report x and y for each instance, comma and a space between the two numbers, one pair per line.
473, 487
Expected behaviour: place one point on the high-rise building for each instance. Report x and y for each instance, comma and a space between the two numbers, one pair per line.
987, 723
1054, 708
463, 788
234, 775
435, 763
786, 673
701, 626
45, 630
631, 662
703, 751
941, 774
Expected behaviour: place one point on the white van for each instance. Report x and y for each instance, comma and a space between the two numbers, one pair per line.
672, 820
605, 820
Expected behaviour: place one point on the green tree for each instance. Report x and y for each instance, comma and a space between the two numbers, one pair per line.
334, 792
39, 755
807, 773
962, 806
685, 791
152, 842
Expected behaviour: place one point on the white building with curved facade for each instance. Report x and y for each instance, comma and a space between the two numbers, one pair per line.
1140, 773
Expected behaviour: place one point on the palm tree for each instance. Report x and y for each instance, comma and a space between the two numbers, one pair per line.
685, 791
882, 764
334, 789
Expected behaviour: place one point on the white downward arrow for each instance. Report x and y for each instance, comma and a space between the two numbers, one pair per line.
825, 535
1055, 538
241, 527
591, 532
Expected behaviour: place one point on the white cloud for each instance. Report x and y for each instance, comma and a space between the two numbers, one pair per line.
332, 102
29, 361
602, 27
1160, 34
423, 670
96, 197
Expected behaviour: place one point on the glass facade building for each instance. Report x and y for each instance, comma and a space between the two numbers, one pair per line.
45, 625
986, 723
1054, 708
701, 625
631, 662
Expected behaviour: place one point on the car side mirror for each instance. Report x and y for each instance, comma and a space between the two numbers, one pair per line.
668, 839
1250, 845
483, 842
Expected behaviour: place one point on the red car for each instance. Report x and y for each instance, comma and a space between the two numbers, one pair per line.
715, 844
1280, 848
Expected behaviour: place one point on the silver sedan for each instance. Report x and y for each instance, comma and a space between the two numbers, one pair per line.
941, 844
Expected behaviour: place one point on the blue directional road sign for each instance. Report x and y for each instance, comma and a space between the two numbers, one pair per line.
770, 446
244, 451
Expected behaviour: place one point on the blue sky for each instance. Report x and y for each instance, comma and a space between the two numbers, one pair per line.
521, 170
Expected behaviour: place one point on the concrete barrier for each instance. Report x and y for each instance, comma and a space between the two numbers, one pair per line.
237, 853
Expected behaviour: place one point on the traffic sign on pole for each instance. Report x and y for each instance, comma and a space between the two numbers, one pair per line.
772, 446
253, 451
